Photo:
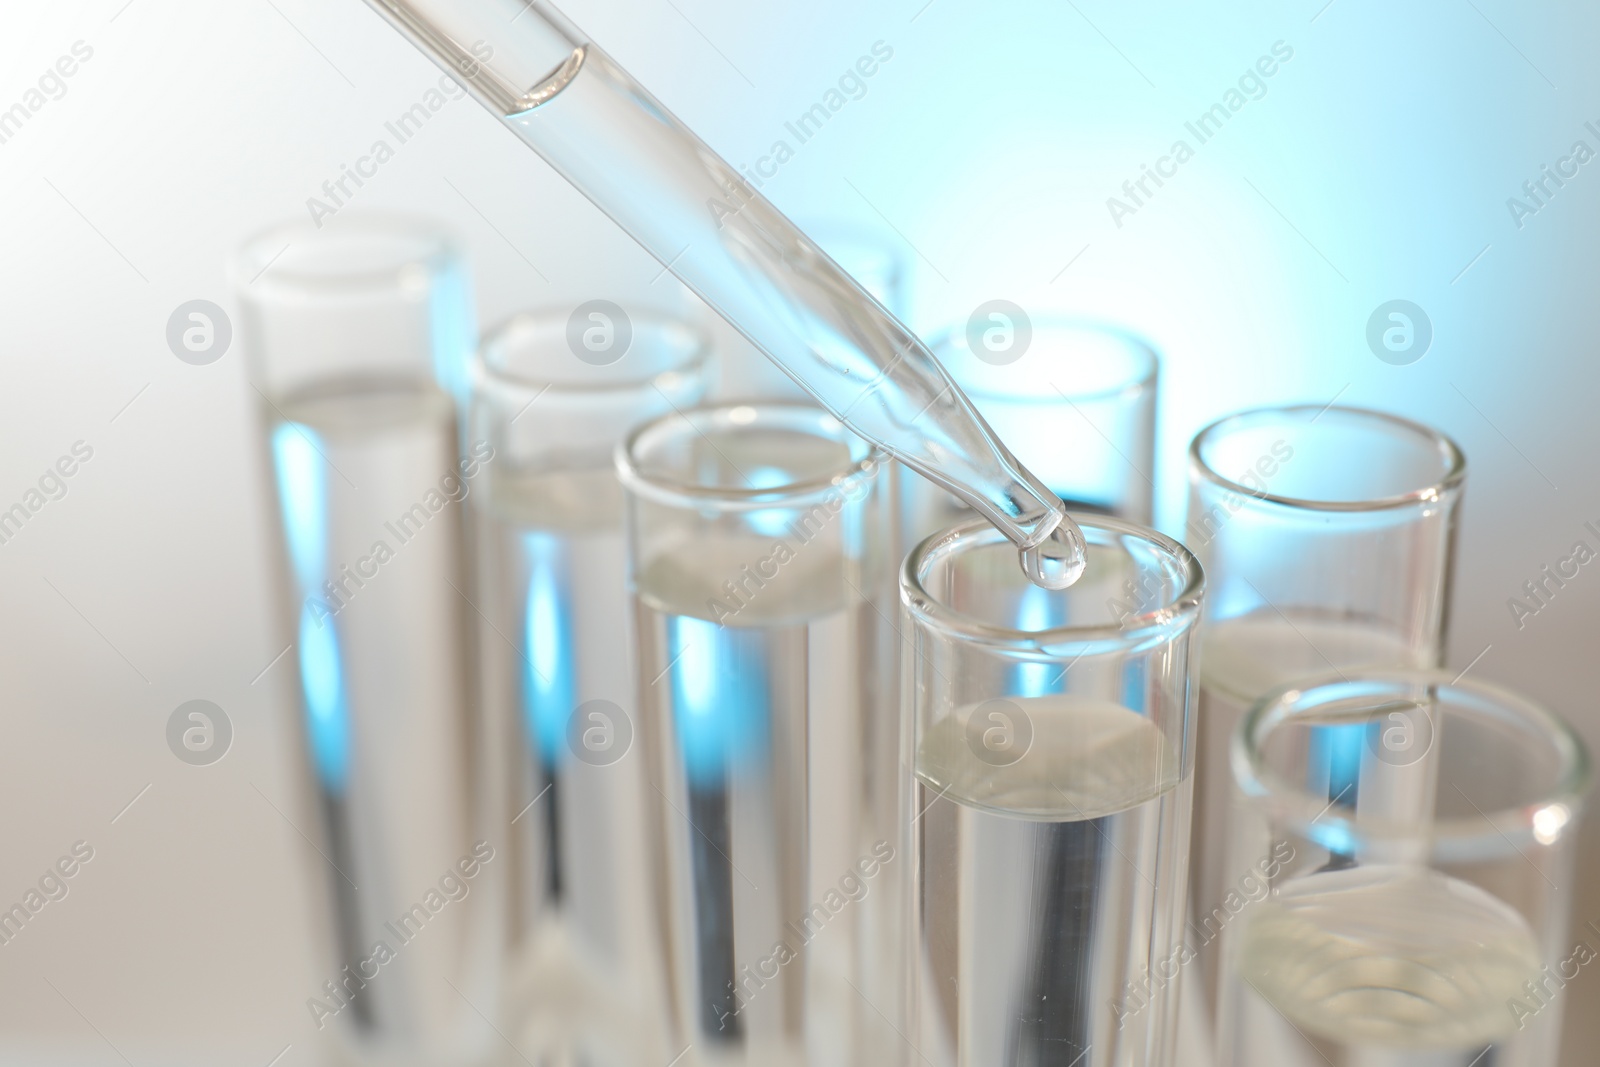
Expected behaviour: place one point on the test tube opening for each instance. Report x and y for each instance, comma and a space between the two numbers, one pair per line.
1050, 747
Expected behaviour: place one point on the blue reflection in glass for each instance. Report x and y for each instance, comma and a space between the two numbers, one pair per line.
549, 675
1337, 837
327, 714
1340, 747
1039, 609
303, 501
719, 696
452, 329
302, 497
770, 521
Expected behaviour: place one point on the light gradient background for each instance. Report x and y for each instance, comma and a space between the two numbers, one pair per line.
1376, 167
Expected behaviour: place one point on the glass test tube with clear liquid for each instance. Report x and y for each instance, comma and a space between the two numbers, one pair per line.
604, 133
758, 553
355, 333
1430, 933
1328, 535
558, 676
1050, 812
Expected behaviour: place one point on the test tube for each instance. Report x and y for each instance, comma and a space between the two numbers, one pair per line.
356, 334
1076, 402
757, 539
553, 394
1049, 817
1328, 534
1371, 934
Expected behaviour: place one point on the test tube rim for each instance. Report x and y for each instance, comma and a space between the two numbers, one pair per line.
1454, 461
700, 351
1147, 360
438, 245
1161, 624
1483, 835
682, 494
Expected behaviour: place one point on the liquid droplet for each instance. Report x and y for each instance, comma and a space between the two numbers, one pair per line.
1058, 560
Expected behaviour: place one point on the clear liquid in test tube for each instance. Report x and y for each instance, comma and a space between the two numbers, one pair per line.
357, 334
558, 674
1328, 536
758, 538
1416, 924
1050, 811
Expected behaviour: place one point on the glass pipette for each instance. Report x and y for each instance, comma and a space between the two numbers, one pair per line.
603, 132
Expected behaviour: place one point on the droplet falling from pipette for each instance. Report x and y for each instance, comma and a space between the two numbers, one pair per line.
1058, 560
709, 225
